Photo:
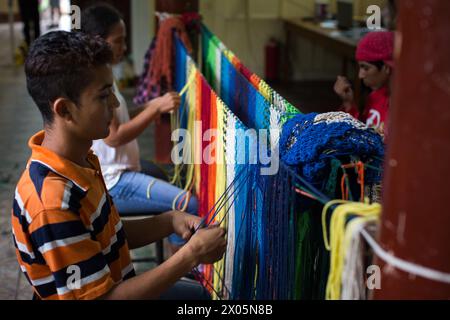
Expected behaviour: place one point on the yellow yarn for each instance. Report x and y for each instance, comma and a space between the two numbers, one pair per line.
352, 274
324, 221
339, 241
221, 177
188, 83
265, 90
150, 185
175, 124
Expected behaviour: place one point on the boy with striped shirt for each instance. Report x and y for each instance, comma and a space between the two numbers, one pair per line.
70, 242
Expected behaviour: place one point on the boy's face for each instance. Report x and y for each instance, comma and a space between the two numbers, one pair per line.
373, 77
117, 41
93, 115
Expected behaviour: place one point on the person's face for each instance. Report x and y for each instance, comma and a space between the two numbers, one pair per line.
117, 40
373, 77
95, 111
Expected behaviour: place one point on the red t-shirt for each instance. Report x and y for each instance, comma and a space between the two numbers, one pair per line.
376, 111
353, 111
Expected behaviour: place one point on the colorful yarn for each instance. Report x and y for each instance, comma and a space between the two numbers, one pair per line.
345, 215
213, 49
250, 274
275, 245
311, 141
158, 71
161, 68
238, 275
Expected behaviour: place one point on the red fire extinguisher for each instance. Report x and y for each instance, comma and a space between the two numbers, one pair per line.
272, 60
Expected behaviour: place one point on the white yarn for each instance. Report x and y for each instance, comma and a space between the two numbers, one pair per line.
353, 273
404, 265
230, 148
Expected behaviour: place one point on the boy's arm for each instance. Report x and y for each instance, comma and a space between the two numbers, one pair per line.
122, 133
151, 284
135, 111
64, 242
344, 90
206, 246
141, 232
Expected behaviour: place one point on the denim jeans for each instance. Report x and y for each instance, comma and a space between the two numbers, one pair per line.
151, 169
186, 289
139, 194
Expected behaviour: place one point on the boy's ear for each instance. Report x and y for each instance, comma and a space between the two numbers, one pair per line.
387, 69
63, 108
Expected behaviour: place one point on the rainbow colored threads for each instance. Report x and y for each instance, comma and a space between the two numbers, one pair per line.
242, 273
213, 51
275, 244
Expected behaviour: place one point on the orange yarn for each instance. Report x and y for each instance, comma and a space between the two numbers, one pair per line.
360, 170
161, 66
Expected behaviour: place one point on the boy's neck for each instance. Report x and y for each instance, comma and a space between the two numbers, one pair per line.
67, 146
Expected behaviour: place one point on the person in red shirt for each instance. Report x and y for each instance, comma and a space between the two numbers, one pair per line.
374, 55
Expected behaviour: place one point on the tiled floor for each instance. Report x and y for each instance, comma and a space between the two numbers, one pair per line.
18, 120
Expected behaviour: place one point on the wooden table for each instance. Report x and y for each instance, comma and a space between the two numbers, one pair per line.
330, 39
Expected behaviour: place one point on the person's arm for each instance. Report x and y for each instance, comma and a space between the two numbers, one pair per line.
122, 133
142, 232
135, 111
344, 90
206, 246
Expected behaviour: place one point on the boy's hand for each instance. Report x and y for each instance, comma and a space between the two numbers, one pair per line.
343, 89
185, 224
208, 245
168, 102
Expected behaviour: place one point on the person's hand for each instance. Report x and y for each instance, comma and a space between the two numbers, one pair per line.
168, 102
208, 245
185, 224
343, 89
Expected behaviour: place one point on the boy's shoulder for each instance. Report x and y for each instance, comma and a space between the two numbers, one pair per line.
40, 189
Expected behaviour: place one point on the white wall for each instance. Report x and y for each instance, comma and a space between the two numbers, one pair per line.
309, 61
142, 25
312, 61
245, 26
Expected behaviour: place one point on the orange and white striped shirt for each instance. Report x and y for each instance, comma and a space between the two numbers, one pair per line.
70, 242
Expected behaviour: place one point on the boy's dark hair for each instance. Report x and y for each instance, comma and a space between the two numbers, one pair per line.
379, 64
60, 64
98, 19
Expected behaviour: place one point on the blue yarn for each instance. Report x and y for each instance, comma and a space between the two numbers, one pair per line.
311, 146
262, 105
265, 220
242, 98
180, 78
276, 235
264, 237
